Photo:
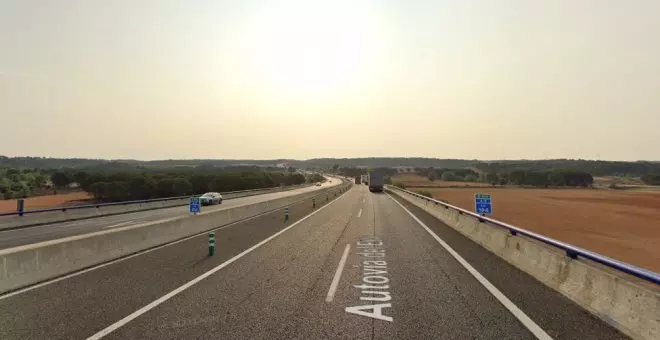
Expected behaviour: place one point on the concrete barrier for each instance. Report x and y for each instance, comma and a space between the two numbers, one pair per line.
33, 219
26, 265
623, 301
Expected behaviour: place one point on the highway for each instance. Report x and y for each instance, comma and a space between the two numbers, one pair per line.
362, 266
29, 235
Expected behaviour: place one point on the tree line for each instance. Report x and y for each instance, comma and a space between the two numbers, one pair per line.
111, 185
557, 178
596, 168
651, 179
569, 178
137, 186
453, 175
354, 172
19, 183
388, 162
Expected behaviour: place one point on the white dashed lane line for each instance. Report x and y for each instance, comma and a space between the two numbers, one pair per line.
340, 269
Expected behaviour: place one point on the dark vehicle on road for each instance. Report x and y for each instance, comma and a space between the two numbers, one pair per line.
210, 198
375, 181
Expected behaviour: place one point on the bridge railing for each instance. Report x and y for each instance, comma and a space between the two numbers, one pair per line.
571, 250
165, 199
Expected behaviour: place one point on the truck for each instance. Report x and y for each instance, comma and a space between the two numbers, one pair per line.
375, 181
358, 179
365, 179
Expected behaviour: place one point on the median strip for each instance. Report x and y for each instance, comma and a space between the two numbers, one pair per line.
32, 264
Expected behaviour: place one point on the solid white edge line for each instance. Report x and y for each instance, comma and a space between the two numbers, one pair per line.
517, 312
335, 279
192, 282
359, 213
117, 225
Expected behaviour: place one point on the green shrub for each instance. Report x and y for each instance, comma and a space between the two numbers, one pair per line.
651, 179
399, 185
449, 176
425, 193
471, 178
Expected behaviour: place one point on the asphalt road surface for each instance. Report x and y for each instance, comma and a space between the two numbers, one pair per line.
360, 267
29, 235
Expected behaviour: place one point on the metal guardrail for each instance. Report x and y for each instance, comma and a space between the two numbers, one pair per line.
100, 205
571, 250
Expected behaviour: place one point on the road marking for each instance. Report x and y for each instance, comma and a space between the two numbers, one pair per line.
375, 285
340, 269
117, 225
194, 281
88, 221
517, 312
359, 213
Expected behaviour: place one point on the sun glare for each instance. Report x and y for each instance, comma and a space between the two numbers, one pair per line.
315, 51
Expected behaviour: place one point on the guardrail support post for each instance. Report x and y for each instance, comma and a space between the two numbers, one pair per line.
20, 206
211, 243
571, 254
286, 214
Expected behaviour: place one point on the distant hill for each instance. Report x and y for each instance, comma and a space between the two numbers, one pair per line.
386, 162
56, 163
43, 162
596, 168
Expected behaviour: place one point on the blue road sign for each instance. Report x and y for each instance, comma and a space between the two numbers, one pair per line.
483, 204
194, 205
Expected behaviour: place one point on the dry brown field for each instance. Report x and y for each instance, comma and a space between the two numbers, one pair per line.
620, 224
43, 202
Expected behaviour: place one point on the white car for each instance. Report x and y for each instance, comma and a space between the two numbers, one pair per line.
318, 184
210, 198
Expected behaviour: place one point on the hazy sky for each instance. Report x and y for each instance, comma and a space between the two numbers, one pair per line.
301, 79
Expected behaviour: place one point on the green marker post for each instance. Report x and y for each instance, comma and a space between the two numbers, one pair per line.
211, 243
